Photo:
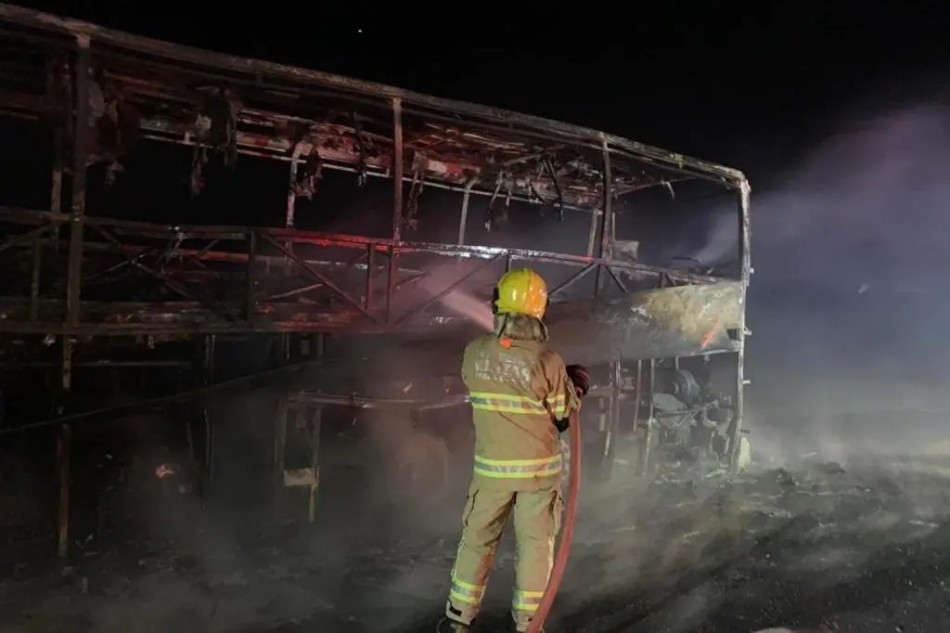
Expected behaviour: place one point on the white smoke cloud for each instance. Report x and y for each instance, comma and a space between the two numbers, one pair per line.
850, 293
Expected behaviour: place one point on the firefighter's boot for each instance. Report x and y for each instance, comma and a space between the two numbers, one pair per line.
513, 628
451, 626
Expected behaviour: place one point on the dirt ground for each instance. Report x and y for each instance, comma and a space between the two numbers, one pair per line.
817, 547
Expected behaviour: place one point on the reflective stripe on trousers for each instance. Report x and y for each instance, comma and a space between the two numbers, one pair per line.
518, 468
527, 600
466, 592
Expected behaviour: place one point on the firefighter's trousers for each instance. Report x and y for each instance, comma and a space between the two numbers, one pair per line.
537, 517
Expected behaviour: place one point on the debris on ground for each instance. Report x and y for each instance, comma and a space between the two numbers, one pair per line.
817, 548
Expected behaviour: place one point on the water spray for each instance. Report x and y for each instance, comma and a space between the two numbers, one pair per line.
469, 307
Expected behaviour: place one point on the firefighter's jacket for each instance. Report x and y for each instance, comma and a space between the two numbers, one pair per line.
517, 388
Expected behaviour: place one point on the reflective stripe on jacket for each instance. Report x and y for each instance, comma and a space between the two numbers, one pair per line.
517, 389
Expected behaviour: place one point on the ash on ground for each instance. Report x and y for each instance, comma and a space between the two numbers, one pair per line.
817, 547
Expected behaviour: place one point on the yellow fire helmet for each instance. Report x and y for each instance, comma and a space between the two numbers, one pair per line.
521, 291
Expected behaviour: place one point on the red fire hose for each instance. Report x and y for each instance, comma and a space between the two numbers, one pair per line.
567, 534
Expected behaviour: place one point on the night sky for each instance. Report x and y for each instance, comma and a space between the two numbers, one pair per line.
835, 110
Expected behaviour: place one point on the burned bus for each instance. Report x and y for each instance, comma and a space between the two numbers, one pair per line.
179, 221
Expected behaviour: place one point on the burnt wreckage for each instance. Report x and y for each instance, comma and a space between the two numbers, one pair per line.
649, 332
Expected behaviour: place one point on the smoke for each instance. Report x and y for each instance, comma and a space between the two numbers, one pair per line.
849, 295
721, 241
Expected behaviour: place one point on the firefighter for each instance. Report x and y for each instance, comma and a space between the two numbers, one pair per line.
522, 396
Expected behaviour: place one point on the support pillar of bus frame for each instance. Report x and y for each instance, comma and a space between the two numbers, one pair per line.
604, 254
81, 68
397, 171
646, 448
281, 418
57, 73
463, 216
607, 223
281, 422
735, 430
613, 422
637, 401
206, 378
291, 210
317, 428
315, 463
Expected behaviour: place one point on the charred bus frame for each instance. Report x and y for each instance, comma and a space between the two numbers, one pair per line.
314, 121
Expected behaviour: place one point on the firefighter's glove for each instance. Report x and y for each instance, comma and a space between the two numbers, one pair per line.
562, 425
580, 378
